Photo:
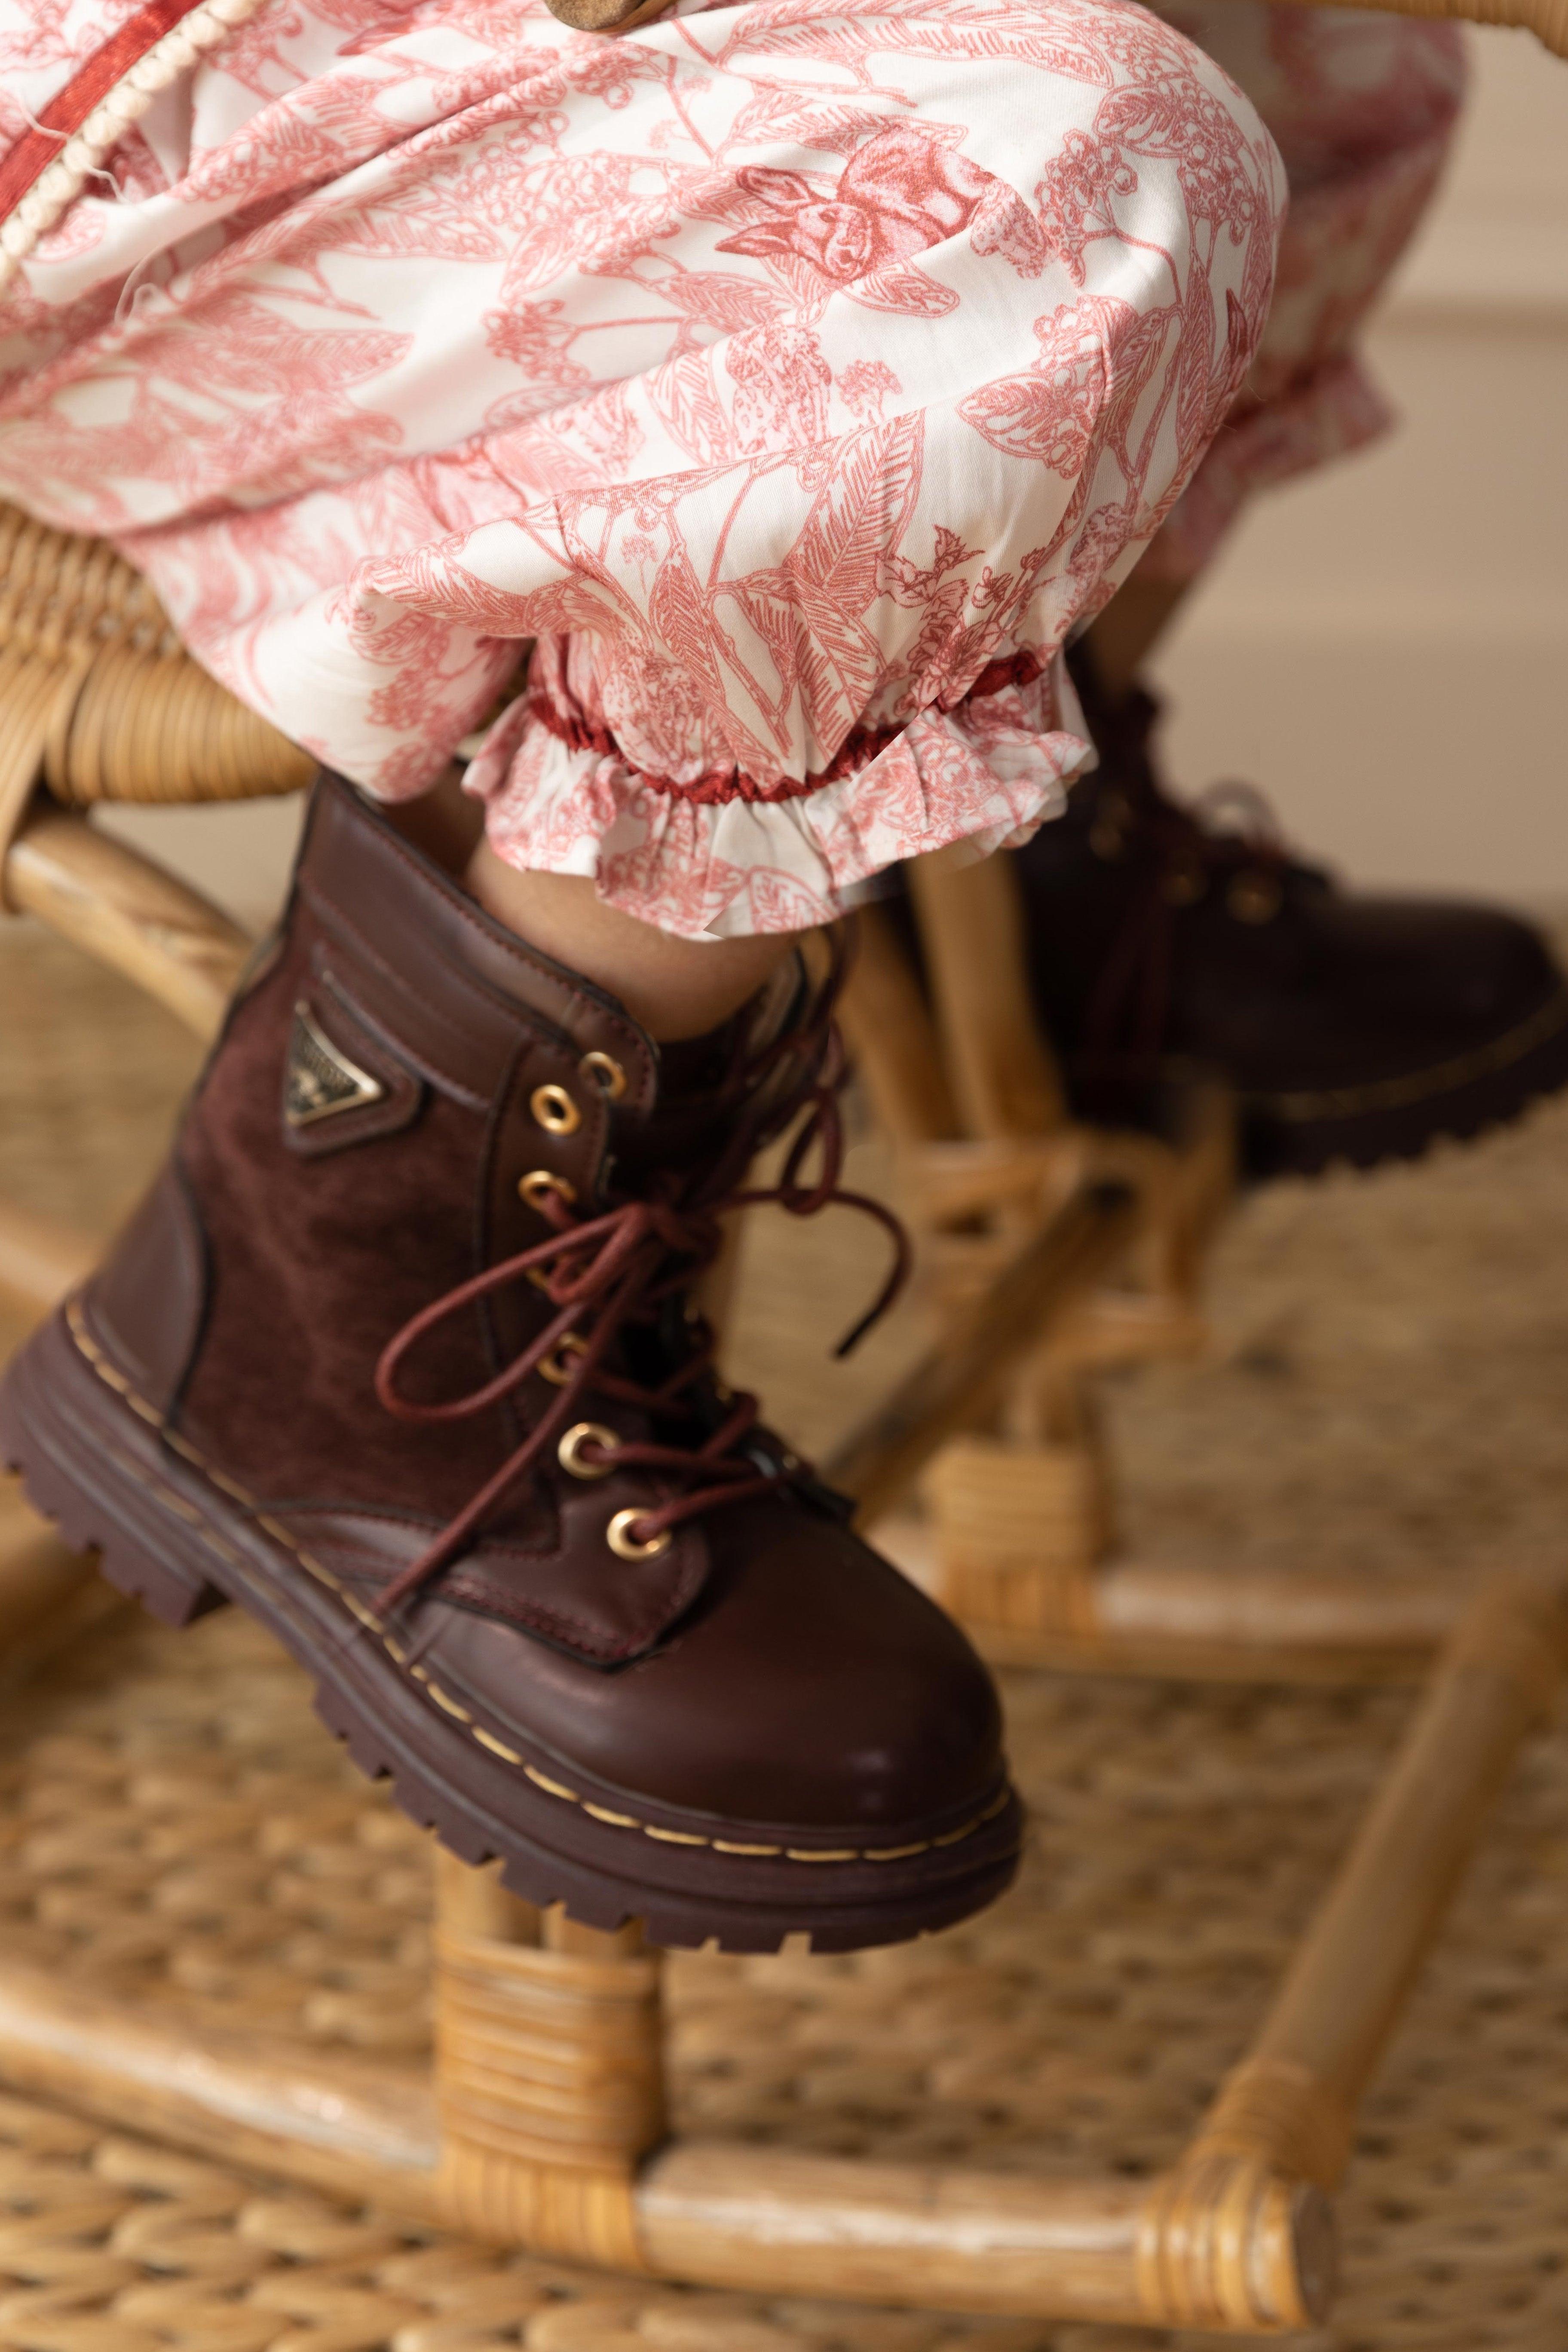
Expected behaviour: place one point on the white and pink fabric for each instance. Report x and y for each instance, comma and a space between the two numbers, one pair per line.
799, 372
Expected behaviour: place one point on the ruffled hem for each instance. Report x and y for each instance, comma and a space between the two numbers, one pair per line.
988, 773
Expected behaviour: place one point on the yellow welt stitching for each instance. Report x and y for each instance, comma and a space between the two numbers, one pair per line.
496, 1745
230, 1486
177, 1503
114, 1380
323, 1575
449, 1705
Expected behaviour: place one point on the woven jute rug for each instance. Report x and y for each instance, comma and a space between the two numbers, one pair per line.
1388, 1386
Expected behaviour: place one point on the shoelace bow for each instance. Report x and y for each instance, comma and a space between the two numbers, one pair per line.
606, 1271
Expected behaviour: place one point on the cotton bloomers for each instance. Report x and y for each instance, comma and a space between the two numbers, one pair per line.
798, 375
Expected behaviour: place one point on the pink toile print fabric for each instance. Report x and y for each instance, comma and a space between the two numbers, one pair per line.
798, 372
1364, 109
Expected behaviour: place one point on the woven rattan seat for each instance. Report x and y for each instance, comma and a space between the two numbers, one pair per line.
97, 688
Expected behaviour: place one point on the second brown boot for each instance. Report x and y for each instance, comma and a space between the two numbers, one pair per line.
399, 1354
1355, 1026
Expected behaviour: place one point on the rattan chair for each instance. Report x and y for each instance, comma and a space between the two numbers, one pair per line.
1057, 1248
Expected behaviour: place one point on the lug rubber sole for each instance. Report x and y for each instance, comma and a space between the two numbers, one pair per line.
97, 1461
1304, 1135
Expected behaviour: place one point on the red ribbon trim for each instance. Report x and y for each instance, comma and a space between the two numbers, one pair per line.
720, 785
66, 112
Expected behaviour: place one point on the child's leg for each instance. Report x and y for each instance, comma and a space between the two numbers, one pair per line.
799, 383
799, 379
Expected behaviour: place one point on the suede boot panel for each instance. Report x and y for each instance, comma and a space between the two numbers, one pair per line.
316, 1263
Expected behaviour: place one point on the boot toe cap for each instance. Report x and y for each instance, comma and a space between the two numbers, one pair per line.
1474, 966
812, 1687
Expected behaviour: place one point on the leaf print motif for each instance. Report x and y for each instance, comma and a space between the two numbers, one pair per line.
906, 290
863, 513
723, 360
682, 394
731, 303
1051, 414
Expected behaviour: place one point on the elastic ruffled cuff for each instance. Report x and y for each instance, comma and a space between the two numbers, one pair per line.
988, 773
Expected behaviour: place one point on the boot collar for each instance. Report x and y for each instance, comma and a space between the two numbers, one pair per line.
371, 891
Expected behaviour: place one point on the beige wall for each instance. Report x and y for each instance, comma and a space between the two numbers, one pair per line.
1384, 647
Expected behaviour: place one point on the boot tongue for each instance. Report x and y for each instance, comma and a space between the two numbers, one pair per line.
705, 1107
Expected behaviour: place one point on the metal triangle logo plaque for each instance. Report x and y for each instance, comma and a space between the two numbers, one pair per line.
320, 1080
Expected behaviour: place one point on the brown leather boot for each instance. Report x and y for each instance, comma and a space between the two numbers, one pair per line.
399, 1354
1355, 1026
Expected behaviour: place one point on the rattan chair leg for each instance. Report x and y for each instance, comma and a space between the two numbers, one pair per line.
999, 1070
1293, 2099
1285, 2118
892, 1040
966, 1375
128, 912
549, 2071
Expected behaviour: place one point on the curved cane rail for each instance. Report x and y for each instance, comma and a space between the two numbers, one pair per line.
128, 912
101, 703
545, 2120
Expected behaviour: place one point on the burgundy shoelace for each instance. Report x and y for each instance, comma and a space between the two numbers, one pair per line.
603, 1272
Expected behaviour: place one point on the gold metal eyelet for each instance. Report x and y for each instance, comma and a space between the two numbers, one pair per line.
606, 1074
625, 1546
557, 1366
536, 1187
1255, 897
554, 1109
569, 1454
1182, 886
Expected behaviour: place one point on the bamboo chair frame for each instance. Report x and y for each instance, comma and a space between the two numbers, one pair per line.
1019, 1535
543, 2121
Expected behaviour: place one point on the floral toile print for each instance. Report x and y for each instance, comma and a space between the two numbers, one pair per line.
798, 373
